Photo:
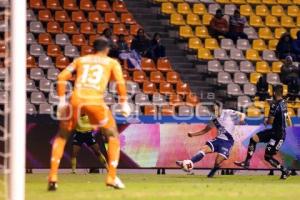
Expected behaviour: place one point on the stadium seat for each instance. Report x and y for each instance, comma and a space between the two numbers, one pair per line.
195, 43
52, 73
276, 66
262, 67
139, 76
236, 54
202, 111
166, 88
141, 99
287, 22
214, 66
168, 8
265, 33
253, 112
211, 43
293, 10
87, 28
291, 112
36, 27
249, 89
54, 50
186, 32
134, 28
95, 17
224, 78
243, 44
53, 5
168, 110
246, 10
175, 100
238, 1
150, 110
30, 39
269, 55
30, 109
70, 28
284, 2
36, 50
45, 16
199, 9
53, 98
36, 4
273, 78
272, 44
62, 39
103, 6
45, 62
62, 62
132, 87
177, 19
259, 45
269, 2
204, 54
70, 5
30, 16
192, 99
45, 39
119, 6
79, 40
45, 109
294, 31
246, 66
251, 32
256, 21
233, 89
254, 76
61, 16
279, 32
156, 77
272, 21
45, 85
244, 102
220, 54
193, 19
206, 18
78, 16
86, 5
262, 10
30, 61
255, 2
148, 64
231, 66
85, 50
127, 18
183, 8
54, 28
277, 10
296, 2
201, 32
159, 99
172, 77
182, 88
101, 27
36, 74
30, 85
212, 8
229, 9
227, 44
149, 87
111, 18
164, 65
252, 55
240, 78
185, 111
71, 51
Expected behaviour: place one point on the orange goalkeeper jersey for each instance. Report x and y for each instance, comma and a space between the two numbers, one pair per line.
93, 72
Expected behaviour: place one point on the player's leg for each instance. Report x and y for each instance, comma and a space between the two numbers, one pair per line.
271, 150
219, 159
263, 136
99, 155
75, 151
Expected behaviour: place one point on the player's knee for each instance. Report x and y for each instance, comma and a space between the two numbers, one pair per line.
268, 157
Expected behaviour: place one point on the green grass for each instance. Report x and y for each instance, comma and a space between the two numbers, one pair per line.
147, 186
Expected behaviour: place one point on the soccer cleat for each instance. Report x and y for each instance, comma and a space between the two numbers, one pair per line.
285, 174
116, 183
179, 163
243, 164
52, 186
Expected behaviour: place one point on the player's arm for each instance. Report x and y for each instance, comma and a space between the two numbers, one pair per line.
207, 128
121, 87
242, 117
270, 119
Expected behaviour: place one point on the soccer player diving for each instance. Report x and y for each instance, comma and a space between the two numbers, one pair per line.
92, 74
275, 136
224, 121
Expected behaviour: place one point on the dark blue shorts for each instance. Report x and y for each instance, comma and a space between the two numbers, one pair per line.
221, 146
80, 138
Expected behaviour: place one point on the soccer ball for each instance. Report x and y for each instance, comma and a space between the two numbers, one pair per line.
187, 165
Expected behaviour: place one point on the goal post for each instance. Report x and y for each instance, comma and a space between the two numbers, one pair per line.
17, 120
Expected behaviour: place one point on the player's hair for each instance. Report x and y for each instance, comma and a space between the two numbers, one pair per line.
101, 44
278, 90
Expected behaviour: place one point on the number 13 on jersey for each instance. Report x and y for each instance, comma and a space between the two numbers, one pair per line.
91, 75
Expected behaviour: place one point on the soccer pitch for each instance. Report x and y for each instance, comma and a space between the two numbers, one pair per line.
149, 186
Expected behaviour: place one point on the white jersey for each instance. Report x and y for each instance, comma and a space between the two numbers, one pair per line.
226, 123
